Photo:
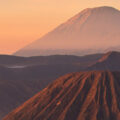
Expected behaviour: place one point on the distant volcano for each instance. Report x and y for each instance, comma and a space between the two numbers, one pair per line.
92, 30
76, 96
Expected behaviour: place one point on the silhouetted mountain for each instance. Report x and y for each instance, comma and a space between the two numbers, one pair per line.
109, 61
76, 96
91, 31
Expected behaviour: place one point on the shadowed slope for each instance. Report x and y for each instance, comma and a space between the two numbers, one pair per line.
109, 61
76, 96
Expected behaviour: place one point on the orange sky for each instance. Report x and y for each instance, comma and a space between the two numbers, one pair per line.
23, 21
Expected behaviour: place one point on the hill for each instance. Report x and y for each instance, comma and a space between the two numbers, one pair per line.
109, 61
11, 61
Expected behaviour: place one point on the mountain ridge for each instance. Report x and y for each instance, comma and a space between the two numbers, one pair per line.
77, 96
109, 61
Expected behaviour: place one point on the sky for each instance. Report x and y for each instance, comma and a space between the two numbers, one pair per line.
24, 21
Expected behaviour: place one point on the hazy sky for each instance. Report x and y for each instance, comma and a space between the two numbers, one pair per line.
23, 21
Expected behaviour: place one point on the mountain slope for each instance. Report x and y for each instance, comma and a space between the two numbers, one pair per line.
22, 77
92, 30
109, 61
76, 96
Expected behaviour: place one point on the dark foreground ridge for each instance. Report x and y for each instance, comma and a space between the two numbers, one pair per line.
77, 96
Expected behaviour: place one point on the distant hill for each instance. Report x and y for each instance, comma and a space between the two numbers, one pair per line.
109, 61
76, 96
93, 30
9, 60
